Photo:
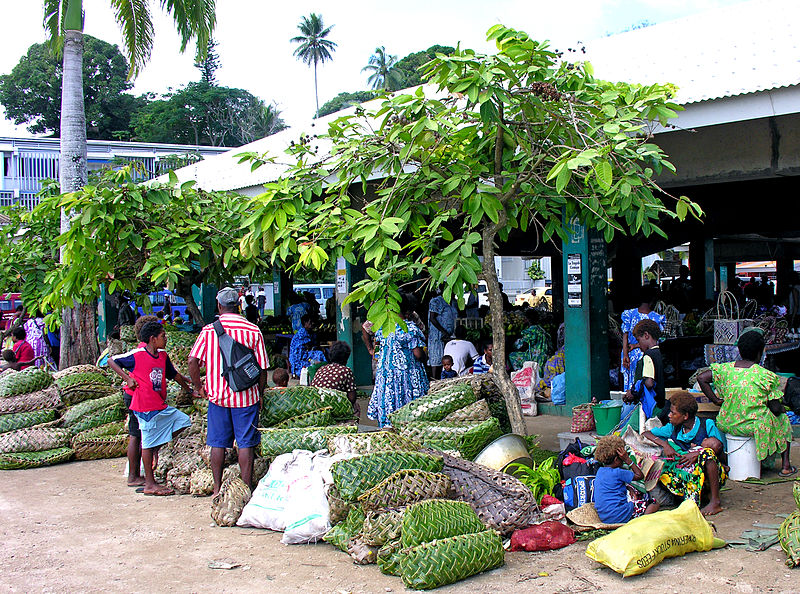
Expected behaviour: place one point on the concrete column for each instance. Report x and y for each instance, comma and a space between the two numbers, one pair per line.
106, 315
349, 318
701, 265
784, 270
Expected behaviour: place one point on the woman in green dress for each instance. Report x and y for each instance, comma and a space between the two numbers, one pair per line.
751, 400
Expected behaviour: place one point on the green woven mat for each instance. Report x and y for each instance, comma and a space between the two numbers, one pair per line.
356, 475
789, 537
389, 558
446, 561
115, 412
316, 418
434, 407
338, 508
84, 378
466, 438
24, 382
341, 534
21, 420
369, 443
281, 441
279, 404
438, 518
86, 392
34, 439
475, 412
47, 398
77, 413
382, 526
405, 487
18, 460
115, 428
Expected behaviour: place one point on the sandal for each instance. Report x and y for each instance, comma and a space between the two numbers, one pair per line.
784, 473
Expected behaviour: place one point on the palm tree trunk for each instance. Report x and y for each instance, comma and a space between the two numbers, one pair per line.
79, 326
316, 92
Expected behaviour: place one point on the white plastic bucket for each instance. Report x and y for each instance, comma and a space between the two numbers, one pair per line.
742, 458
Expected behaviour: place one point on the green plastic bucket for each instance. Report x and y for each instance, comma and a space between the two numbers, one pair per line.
606, 417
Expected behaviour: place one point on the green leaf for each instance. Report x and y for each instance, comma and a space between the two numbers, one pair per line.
563, 179
603, 174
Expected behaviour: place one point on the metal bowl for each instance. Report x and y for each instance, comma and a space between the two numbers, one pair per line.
503, 451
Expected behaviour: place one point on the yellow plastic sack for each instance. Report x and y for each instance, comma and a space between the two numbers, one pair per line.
647, 540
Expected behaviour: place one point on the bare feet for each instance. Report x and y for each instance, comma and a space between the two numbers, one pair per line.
713, 508
136, 481
158, 490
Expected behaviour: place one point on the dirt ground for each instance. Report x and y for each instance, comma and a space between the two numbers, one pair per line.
77, 527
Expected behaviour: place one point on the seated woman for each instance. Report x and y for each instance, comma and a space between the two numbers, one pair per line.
337, 375
301, 351
693, 448
751, 400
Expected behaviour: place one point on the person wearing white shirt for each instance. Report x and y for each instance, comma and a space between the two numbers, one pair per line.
462, 351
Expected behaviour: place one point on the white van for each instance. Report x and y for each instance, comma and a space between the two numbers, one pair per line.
321, 292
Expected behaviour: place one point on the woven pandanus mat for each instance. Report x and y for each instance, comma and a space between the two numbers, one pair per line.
227, 506
316, 418
382, 526
95, 448
389, 558
466, 438
356, 475
43, 399
369, 443
340, 535
405, 487
501, 501
338, 508
275, 442
446, 561
13, 421
475, 412
434, 407
34, 439
19, 460
437, 518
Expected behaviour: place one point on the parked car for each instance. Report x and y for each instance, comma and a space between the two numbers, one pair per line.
159, 298
541, 297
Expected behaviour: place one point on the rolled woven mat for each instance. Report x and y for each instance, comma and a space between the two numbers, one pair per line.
382, 526
94, 448
356, 475
34, 439
13, 421
435, 519
369, 443
47, 398
476, 412
405, 487
20, 460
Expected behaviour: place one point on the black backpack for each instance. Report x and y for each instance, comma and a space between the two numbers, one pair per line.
240, 367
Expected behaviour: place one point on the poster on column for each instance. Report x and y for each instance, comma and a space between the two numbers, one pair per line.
341, 275
574, 281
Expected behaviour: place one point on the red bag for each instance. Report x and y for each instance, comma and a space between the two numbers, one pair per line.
547, 536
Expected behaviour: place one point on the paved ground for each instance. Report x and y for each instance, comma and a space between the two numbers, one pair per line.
77, 527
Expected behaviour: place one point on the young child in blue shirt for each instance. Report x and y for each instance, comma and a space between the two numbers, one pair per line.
447, 367
614, 502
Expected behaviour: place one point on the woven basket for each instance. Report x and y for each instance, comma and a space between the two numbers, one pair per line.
201, 482
227, 506
582, 418
405, 487
26, 381
446, 561
338, 508
389, 558
466, 438
76, 414
315, 418
354, 476
275, 442
369, 443
789, 537
340, 535
476, 412
34, 439
279, 404
501, 501
437, 518
57, 375
382, 526
180, 482
186, 462
115, 428
85, 392
47, 398
361, 552
115, 412
15, 421
95, 448
436, 406
18, 460
728, 325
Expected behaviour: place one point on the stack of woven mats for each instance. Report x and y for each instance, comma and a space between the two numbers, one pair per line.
303, 418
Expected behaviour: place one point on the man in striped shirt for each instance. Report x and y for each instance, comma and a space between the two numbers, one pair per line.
230, 414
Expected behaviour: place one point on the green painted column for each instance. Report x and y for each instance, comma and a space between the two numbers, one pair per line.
349, 319
281, 286
585, 316
106, 316
206, 298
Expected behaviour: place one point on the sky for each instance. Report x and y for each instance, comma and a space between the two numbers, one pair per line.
256, 54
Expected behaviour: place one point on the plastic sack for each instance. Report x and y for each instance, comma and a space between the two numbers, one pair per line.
547, 536
526, 381
647, 540
558, 389
306, 513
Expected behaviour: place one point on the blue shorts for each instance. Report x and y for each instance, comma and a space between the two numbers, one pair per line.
226, 423
157, 427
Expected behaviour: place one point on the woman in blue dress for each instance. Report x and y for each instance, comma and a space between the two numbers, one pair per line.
400, 374
631, 353
301, 352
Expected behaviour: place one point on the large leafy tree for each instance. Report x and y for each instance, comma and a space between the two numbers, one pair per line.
382, 72
409, 68
344, 100
513, 142
314, 48
31, 92
63, 19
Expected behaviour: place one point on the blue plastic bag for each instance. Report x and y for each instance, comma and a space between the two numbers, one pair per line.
558, 389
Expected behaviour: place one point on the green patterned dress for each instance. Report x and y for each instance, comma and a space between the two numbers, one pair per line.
745, 392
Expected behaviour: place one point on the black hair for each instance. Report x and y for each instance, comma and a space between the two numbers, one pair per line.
19, 333
248, 299
150, 330
160, 314
20, 307
460, 332
649, 326
280, 375
339, 352
751, 345
648, 294
685, 404
486, 344
305, 318
448, 357
9, 356
407, 303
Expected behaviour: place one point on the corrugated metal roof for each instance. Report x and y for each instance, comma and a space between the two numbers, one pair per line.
742, 48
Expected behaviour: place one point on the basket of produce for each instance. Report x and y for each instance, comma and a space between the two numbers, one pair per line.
354, 476
405, 487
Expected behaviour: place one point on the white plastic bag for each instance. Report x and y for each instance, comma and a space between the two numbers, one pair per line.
526, 380
306, 513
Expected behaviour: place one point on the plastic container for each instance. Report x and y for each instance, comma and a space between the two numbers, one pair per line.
607, 416
742, 458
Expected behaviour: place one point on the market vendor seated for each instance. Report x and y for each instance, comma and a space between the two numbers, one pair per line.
648, 380
694, 451
301, 350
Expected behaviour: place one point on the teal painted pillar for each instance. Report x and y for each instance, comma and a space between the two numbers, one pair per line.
701, 265
280, 291
106, 315
349, 319
206, 298
585, 316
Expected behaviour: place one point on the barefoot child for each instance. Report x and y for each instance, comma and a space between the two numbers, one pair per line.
693, 448
149, 368
612, 498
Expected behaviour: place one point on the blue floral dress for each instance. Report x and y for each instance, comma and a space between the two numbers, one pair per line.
631, 317
399, 377
296, 312
300, 353
447, 318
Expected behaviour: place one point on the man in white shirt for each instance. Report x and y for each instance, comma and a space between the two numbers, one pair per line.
461, 350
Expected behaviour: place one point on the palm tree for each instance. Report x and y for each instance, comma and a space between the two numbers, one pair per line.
383, 76
314, 48
194, 19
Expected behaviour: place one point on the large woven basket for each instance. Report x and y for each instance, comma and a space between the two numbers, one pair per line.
340, 535
436, 519
280, 404
275, 442
180, 482
382, 526
369, 443
20, 460
13, 421
94, 448
78, 413
435, 406
446, 561
338, 508
113, 413
316, 418
201, 482
501, 501
227, 506
466, 438
43, 399
582, 418
34, 439
389, 558
354, 476
115, 428
476, 412
405, 487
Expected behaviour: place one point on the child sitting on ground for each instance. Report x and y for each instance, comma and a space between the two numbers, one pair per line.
149, 368
614, 501
280, 377
447, 367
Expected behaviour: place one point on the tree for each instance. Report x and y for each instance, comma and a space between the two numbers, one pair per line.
343, 101
209, 65
31, 92
514, 142
409, 68
314, 48
381, 69
63, 19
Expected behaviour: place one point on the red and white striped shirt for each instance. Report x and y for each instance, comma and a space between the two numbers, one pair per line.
206, 348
